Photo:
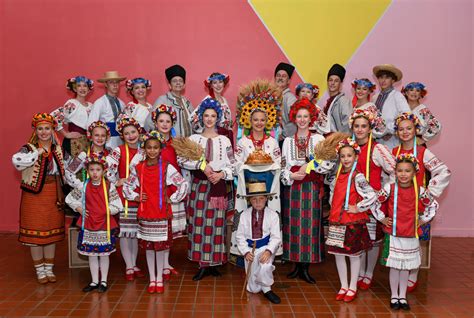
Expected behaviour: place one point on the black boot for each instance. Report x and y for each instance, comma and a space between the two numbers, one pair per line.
272, 297
203, 272
296, 271
214, 272
304, 274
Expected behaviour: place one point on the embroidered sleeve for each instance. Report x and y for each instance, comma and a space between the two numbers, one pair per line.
74, 199
59, 116
431, 127
25, 158
115, 203
230, 163
366, 192
129, 109
322, 124
285, 166
239, 154
430, 210
381, 197
383, 158
275, 233
440, 174
76, 165
113, 160
173, 177
131, 185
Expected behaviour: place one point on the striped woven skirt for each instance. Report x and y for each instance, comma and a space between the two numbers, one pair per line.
154, 235
303, 235
41, 223
402, 253
206, 228
95, 243
128, 224
178, 223
356, 239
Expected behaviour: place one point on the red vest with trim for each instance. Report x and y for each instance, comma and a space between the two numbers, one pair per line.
420, 175
96, 208
375, 172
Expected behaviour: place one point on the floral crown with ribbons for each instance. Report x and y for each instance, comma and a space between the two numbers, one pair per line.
261, 95
139, 80
155, 135
363, 113
70, 83
217, 77
348, 142
42, 118
408, 116
164, 109
96, 158
314, 88
363, 82
304, 103
415, 85
96, 124
209, 103
125, 121
408, 157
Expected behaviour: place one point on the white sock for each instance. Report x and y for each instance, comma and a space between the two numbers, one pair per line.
413, 276
372, 257
403, 284
134, 244
342, 270
94, 268
160, 261
126, 250
166, 262
363, 262
394, 278
150, 260
355, 267
104, 267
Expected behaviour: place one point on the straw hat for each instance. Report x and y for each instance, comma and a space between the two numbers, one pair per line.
256, 189
388, 67
111, 76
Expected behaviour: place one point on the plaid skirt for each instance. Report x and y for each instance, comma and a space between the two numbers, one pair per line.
356, 240
128, 224
206, 227
303, 234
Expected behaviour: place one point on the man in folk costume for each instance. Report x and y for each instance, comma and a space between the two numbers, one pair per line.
176, 76
389, 101
283, 73
338, 107
258, 238
108, 107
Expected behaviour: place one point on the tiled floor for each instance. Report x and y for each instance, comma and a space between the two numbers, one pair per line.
446, 290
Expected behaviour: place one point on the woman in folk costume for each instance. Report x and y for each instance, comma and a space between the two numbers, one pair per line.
361, 100
96, 201
97, 134
41, 163
406, 212
119, 162
148, 186
351, 199
138, 109
208, 200
430, 126
301, 174
373, 161
257, 154
311, 92
216, 83
407, 127
75, 113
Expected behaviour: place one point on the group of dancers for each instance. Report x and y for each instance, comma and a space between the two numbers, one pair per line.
148, 174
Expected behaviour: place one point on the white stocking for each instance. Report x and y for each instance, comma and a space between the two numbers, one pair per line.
342, 270
126, 250
355, 267
394, 278
372, 257
363, 262
160, 259
403, 284
36, 253
150, 260
413, 276
167, 260
104, 267
134, 245
94, 268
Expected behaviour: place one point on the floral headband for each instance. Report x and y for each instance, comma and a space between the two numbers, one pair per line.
125, 121
408, 116
304, 103
78, 79
408, 157
96, 124
42, 118
415, 85
217, 77
163, 109
139, 80
209, 103
314, 88
96, 158
363, 82
362, 113
348, 142
152, 135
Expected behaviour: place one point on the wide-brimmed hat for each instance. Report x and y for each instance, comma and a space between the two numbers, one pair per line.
389, 68
255, 189
111, 76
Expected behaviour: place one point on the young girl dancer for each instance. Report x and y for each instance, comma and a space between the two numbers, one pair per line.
351, 198
147, 185
96, 201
